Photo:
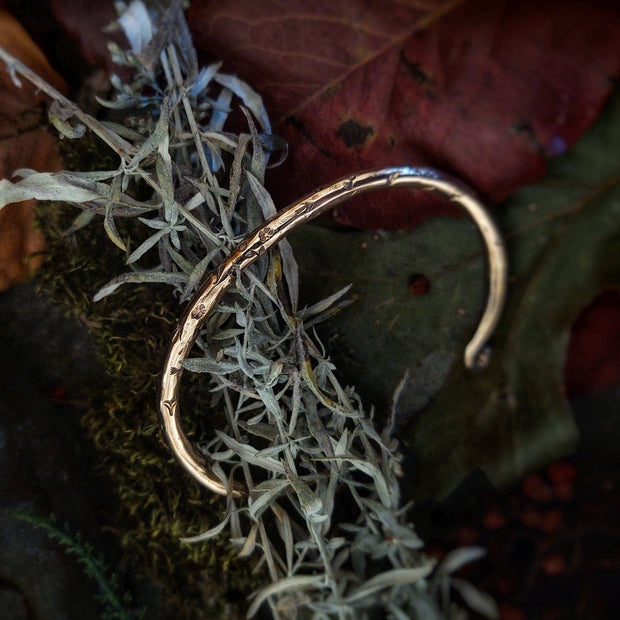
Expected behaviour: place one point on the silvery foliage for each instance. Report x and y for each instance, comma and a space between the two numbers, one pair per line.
324, 514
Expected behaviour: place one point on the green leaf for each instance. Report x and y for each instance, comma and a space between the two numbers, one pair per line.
388, 329
563, 239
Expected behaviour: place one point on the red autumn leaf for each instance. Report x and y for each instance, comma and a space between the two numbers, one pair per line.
486, 89
23, 144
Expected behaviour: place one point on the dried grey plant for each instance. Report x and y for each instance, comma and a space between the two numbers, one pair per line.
324, 513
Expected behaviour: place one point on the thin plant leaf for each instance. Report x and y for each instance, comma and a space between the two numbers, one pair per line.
144, 247
390, 579
248, 95
298, 582
211, 533
144, 277
478, 601
44, 186
457, 558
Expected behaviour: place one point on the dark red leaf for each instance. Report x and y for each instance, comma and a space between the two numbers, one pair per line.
85, 21
593, 360
486, 89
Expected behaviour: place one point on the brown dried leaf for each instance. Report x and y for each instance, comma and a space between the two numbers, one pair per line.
23, 144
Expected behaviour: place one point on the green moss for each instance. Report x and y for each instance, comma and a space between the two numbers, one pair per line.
158, 501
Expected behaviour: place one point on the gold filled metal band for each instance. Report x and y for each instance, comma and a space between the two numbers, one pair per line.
274, 230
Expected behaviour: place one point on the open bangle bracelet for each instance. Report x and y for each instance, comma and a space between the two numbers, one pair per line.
270, 233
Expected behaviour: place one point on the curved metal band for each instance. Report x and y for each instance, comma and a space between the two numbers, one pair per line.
272, 231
